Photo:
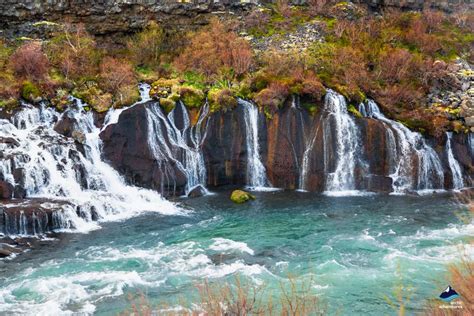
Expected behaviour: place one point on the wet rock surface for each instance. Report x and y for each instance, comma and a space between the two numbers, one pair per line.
31, 217
292, 138
126, 148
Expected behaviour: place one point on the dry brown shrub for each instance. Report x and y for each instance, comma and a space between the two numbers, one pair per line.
116, 74
214, 50
29, 62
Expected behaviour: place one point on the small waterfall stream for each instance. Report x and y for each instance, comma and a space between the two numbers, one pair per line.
113, 114
256, 173
77, 186
454, 166
407, 150
309, 139
169, 143
340, 129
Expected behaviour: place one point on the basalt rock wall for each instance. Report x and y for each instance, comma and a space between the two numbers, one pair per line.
285, 140
106, 17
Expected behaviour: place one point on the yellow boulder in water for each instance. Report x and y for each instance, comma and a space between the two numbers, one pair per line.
240, 196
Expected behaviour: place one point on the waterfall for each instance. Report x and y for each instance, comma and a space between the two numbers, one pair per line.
53, 169
407, 150
470, 141
454, 166
256, 173
340, 130
113, 114
309, 139
170, 140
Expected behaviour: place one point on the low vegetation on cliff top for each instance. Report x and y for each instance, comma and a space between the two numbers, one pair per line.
395, 58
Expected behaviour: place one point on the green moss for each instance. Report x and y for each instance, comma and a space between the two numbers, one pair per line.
221, 99
91, 94
167, 105
195, 80
146, 74
163, 88
352, 109
45, 23
192, 97
243, 91
9, 104
239, 196
126, 96
30, 91
310, 107
60, 100
267, 112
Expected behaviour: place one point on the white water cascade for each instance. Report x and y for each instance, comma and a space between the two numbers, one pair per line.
79, 182
168, 142
113, 114
256, 173
470, 141
407, 149
340, 126
454, 166
309, 139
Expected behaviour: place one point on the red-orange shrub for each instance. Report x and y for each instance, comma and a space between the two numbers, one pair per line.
273, 96
29, 62
214, 50
116, 74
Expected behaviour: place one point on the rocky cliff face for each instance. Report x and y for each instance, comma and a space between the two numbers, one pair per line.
298, 150
108, 16
105, 17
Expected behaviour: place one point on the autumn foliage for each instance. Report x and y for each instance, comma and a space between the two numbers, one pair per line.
215, 51
29, 62
116, 74
74, 52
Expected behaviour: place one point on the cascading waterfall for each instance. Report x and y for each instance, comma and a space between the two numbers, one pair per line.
403, 146
454, 166
309, 138
470, 141
256, 173
340, 126
54, 169
168, 142
113, 114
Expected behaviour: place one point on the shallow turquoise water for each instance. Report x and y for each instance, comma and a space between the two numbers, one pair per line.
349, 249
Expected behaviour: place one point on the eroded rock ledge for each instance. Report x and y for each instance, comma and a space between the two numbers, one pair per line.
105, 17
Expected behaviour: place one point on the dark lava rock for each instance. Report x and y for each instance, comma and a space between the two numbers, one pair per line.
126, 148
6, 190
197, 191
66, 125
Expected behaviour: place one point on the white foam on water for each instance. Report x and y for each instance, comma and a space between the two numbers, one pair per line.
263, 189
55, 170
344, 193
226, 245
66, 294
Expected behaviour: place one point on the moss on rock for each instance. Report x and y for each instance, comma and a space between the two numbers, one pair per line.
240, 196
167, 104
221, 99
30, 92
91, 94
162, 88
192, 97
